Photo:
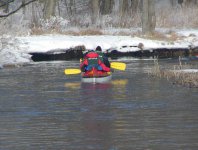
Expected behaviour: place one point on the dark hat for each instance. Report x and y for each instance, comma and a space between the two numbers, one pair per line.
98, 48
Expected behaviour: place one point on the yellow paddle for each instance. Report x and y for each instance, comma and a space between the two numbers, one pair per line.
72, 71
114, 65
118, 65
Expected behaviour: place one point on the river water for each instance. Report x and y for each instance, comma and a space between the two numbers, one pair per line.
41, 108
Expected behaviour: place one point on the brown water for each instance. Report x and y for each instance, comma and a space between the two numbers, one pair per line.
41, 108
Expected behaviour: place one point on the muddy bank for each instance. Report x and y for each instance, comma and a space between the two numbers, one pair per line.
76, 53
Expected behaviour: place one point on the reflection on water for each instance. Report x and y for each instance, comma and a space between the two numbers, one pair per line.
119, 82
41, 108
73, 85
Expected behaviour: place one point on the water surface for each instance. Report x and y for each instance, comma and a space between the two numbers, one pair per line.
41, 108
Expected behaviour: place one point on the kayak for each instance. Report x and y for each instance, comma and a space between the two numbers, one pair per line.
96, 79
96, 76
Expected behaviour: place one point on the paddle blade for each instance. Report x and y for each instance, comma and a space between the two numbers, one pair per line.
72, 71
118, 65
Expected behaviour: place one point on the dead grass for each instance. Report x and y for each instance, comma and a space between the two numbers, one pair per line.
91, 32
175, 74
157, 36
122, 33
39, 31
189, 79
36, 31
170, 36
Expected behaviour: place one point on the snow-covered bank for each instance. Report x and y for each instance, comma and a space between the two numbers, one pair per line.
16, 50
188, 70
46, 43
11, 53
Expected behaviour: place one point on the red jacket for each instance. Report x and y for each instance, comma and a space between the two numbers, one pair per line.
94, 55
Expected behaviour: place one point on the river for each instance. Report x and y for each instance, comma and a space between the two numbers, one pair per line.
41, 108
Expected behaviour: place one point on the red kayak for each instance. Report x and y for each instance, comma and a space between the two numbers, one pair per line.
96, 76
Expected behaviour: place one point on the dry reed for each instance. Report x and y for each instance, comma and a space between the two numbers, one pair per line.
176, 74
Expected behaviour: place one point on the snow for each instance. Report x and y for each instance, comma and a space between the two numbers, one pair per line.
16, 49
46, 43
189, 70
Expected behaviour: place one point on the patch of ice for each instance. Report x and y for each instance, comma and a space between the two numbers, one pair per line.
189, 70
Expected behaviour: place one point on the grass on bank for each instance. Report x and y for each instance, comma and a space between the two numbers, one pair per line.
176, 74
79, 32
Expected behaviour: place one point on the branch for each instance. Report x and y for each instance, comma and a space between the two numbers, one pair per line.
21, 6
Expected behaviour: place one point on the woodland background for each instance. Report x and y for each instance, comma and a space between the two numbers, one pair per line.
66, 16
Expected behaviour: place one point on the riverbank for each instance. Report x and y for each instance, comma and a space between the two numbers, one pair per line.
163, 44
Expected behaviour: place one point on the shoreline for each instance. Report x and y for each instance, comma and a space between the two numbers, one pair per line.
76, 53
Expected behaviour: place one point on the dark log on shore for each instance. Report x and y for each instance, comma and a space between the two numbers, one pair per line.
160, 53
76, 53
58, 55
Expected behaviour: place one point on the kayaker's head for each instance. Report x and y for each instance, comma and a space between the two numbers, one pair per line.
98, 48
82, 47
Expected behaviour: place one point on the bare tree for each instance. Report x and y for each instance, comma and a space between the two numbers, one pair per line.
188, 2
5, 5
36, 13
71, 8
123, 11
49, 9
106, 6
148, 16
135, 5
95, 10
23, 4
173, 3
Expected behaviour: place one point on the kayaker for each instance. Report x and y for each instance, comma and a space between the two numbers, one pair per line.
102, 56
92, 60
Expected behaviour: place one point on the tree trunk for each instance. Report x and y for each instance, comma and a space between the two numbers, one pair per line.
148, 17
24, 8
95, 11
123, 11
71, 8
106, 6
49, 9
134, 5
152, 17
34, 18
173, 3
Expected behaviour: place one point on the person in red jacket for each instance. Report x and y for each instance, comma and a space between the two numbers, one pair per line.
91, 60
